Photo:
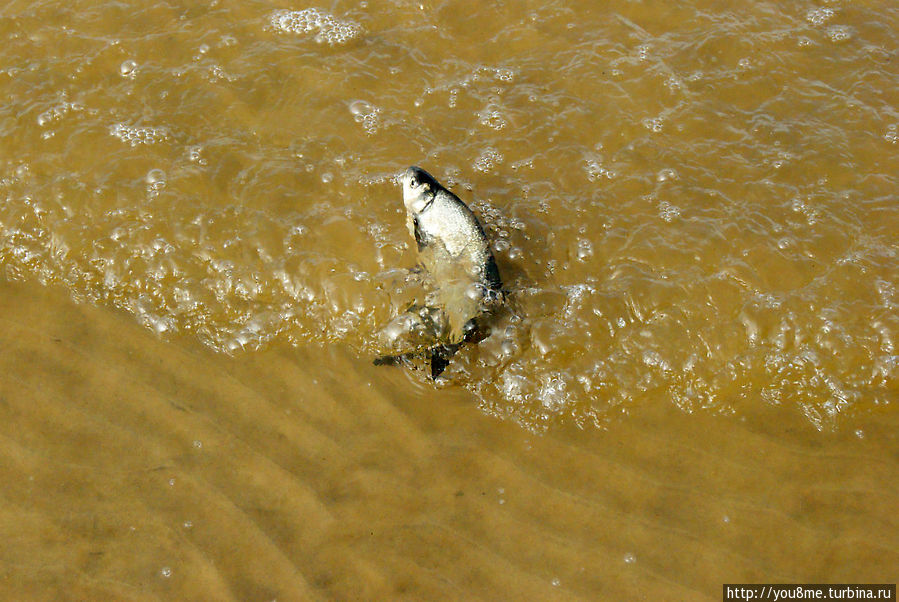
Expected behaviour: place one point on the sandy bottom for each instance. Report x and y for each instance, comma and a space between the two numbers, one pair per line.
137, 468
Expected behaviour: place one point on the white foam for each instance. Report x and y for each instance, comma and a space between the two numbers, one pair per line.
367, 114
492, 117
135, 135
839, 33
323, 26
668, 212
819, 16
488, 159
596, 170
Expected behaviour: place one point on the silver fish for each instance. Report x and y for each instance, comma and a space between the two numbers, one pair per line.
455, 253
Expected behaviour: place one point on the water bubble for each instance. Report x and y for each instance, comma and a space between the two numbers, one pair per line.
654, 360
323, 26
668, 212
839, 33
56, 113
553, 392
666, 174
366, 114
155, 177
197, 444
514, 386
584, 249
673, 83
508, 347
135, 135
165, 572
488, 159
655, 124
327, 177
819, 16
629, 558
128, 68
596, 170
361, 108
556, 582
44, 118
492, 118
195, 154
155, 180
217, 73
188, 524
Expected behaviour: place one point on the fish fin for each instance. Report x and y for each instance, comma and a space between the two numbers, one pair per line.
419, 236
440, 358
491, 274
438, 365
403, 359
387, 360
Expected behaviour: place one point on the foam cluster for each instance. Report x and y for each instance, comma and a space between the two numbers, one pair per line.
323, 26
134, 135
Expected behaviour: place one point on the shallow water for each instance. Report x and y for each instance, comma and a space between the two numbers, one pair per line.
693, 207
138, 468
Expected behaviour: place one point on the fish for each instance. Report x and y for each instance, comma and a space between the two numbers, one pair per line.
455, 254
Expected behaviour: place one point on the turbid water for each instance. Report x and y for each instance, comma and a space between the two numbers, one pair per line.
695, 380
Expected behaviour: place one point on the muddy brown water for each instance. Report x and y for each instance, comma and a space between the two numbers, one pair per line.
694, 209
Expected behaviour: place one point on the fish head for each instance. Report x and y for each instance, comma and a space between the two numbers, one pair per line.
419, 189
